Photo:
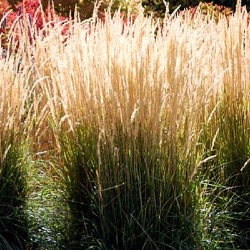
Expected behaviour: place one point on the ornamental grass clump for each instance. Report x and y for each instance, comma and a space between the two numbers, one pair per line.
230, 125
134, 119
25, 215
13, 158
234, 120
125, 171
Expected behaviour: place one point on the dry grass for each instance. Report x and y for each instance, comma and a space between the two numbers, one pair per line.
13, 157
143, 112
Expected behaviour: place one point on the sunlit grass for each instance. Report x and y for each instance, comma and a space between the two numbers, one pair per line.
14, 159
147, 125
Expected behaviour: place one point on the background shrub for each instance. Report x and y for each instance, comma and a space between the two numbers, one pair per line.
158, 8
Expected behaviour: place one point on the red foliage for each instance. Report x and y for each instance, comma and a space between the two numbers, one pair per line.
27, 13
4, 7
33, 10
